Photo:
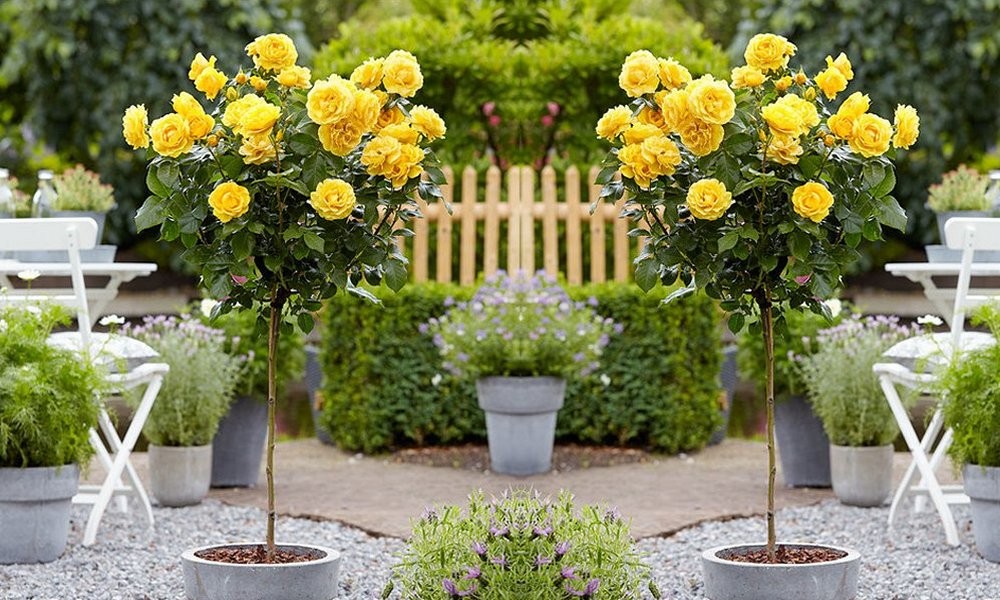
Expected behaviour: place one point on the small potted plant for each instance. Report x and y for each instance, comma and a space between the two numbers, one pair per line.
971, 389
520, 337
521, 545
196, 394
80, 193
845, 394
961, 193
238, 445
48, 403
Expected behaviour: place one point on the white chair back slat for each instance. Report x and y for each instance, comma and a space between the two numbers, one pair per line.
968, 235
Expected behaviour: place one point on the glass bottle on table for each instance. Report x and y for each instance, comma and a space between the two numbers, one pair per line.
44, 201
7, 208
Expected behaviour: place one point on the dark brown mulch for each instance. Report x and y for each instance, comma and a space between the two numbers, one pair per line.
255, 555
565, 457
787, 555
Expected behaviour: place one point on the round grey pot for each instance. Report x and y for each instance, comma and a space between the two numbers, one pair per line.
521, 421
238, 445
982, 484
98, 217
862, 476
730, 580
803, 447
34, 512
180, 476
942, 218
311, 580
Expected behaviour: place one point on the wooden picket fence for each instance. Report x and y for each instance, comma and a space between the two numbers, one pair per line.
524, 215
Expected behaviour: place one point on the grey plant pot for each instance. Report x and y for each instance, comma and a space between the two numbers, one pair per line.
180, 476
729, 580
238, 445
98, 217
521, 421
942, 218
314, 384
34, 512
862, 476
803, 446
728, 377
311, 580
982, 484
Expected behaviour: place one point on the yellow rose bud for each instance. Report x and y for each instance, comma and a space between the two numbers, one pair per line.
200, 123
199, 64
829, 140
368, 75
401, 74
427, 122
614, 122
229, 200
783, 84
258, 83
294, 77
333, 199
365, 112
784, 149
708, 199
831, 81
747, 77
870, 135
171, 135
660, 155
907, 125
640, 131
768, 52
672, 74
809, 94
258, 119
212, 141
634, 166
800, 78
257, 149
330, 100
272, 52
241, 78
700, 137
640, 74
676, 113
232, 94
842, 64
134, 124
340, 138
711, 101
812, 201
210, 82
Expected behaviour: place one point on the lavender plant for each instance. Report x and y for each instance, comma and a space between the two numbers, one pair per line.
520, 326
844, 391
521, 546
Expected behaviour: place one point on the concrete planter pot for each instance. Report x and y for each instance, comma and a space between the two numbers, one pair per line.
521, 421
730, 580
803, 446
310, 580
238, 445
98, 217
728, 377
942, 218
982, 484
862, 476
34, 512
314, 384
180, 476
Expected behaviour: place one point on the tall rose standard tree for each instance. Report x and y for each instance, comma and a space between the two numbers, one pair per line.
284, 191
756, 191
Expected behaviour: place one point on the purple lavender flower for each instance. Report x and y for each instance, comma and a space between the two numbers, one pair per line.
473, 572
562, 548
500, 561
542, 560
499, 531
479, 548
568, 573
543, 531
588, 590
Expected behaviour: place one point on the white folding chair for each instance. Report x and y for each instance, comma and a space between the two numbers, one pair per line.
115, 351
914, 361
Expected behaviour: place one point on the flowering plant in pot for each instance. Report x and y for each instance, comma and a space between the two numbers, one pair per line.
283, 192
960, 193
757, 191
80, 193
520, 337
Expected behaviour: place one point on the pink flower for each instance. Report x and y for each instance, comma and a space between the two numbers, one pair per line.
489, 108
494, 120
239, 279
548, 120
803, 279
554, 108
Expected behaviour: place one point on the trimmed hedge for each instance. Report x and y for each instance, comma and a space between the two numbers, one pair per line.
657, 386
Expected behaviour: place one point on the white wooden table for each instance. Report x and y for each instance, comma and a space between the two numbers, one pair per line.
943, 298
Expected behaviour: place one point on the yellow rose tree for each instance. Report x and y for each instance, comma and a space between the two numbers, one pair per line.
284, 191
756, 191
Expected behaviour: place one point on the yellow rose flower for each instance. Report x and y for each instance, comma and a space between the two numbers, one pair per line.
652, 116
237, 108
407, 167
199, 64
676, 113
812, 201
258, 83
340, 138
614, 122
388, 117
660, 154
634, 166
365, 112
783, 118
272, 52
708, 199
368, 75
401, 74
258, 119
210, 82
330, 100
333, 199
199, 122
380, 153
842, 64
640, 131
711, 101
700, 137
841, 124
257, 149
831, 81
295, 77
171, 135
784, 149
806, 109
229, 200
134, 124
870, 136
747, 77
672, 73
907, 125
402, 132
640, 74
427, 122
768, 52
783, 83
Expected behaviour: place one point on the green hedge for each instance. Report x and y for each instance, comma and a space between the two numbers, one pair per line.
661, 373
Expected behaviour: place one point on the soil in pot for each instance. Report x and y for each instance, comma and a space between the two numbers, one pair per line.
257, 555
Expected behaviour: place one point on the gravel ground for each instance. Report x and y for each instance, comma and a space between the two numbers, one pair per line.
914, 563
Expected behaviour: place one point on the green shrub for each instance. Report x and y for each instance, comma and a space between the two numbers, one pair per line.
657, 387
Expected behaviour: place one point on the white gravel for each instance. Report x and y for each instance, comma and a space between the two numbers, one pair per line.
131, 562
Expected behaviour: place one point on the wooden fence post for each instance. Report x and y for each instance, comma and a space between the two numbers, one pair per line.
574, 239
550, 229
491, 232
467, 250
